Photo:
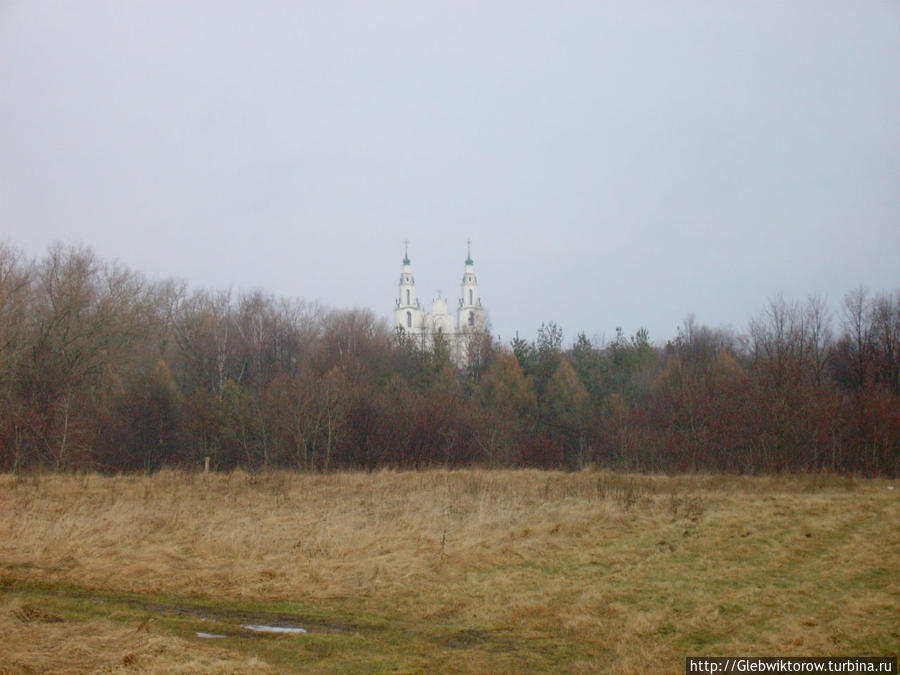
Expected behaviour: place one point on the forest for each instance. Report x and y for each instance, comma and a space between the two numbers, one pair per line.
103, 369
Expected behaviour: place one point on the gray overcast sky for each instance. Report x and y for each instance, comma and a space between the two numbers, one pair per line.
614, 163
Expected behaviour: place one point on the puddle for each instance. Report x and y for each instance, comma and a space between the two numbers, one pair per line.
256, 628
273, 629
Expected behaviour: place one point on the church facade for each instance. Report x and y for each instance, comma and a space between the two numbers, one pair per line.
457, 329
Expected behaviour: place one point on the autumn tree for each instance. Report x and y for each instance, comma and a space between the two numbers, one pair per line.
507, 397
567, 409
144, 429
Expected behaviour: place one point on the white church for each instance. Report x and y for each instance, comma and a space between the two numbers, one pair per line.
457, 330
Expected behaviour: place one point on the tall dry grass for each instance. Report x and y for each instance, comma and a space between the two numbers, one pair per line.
283, 534
597, 571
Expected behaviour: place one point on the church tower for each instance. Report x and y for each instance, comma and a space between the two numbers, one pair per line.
458, 332
470, 315
408, 315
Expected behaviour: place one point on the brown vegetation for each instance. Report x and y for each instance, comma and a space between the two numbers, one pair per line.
459, 570
102, 370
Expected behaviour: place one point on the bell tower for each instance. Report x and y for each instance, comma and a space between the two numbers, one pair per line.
408, 314
470, 315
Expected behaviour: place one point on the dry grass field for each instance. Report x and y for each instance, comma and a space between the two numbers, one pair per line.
448, 571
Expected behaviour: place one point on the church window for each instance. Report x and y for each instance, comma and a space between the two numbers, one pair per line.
407, 296
471, 318
470, 296
409, 319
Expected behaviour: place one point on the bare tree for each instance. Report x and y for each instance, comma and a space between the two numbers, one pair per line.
818, 321
885, 335
859, 331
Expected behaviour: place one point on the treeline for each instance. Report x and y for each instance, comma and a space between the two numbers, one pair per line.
101, 369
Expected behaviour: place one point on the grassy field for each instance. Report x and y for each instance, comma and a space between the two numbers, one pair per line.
449, 571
